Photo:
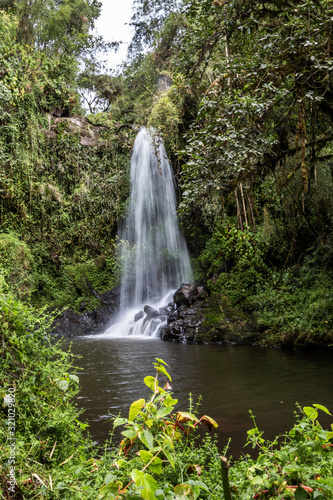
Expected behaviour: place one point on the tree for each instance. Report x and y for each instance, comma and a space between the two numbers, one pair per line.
266, 110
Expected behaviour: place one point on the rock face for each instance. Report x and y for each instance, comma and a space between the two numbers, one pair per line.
186, 294
196, 317
186, 317
70, 323
89, 133
139, 316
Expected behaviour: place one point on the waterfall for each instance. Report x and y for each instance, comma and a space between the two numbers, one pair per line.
154, 255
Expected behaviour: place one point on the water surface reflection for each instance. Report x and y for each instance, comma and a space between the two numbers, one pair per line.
231, 380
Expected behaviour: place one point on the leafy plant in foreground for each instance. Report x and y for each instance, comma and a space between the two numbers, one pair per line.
153, 439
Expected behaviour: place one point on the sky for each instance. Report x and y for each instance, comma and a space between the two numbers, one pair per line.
113, 25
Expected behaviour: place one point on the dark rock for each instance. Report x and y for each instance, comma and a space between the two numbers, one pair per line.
89, 133
202, 293
173, 332
183, 323
82, 306
202, 318
151, 312
167, 310
173, 316
185, 294
70, 323
139, 315
163, 83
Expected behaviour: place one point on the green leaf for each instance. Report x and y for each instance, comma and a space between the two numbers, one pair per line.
209, 422
300, 494
161, 361
135, 409
163, 412
145, 456
149, 422
75, 378
131, 434
184, 492
147, 482
109, 478
62, 384
170, 458
310, 412
257, 480
119, 421
156, 466
120, 463
150, 382
169, 401
322, 408
161, 369
147, 439
159, 494
203, 486
184, 416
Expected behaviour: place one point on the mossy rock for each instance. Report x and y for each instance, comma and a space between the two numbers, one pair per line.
225, 323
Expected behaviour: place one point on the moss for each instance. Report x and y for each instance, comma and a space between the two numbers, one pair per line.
225, 323
296, 340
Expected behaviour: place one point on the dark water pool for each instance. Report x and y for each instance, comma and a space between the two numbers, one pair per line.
230, 379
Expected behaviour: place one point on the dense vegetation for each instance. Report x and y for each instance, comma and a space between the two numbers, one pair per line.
242, 93
60, 200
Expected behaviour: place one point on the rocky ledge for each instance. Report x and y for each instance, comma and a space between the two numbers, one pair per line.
70, 323
197, 317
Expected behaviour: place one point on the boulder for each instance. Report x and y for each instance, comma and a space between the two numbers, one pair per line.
151, 312
139, 315
185, 294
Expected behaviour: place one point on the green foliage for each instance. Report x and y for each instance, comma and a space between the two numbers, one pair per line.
77, 285
56, 26
44, 383
148, 19
233, 261
294, 307
17, 264
61, 199
295, 465
165, 116
290, 306
154, 445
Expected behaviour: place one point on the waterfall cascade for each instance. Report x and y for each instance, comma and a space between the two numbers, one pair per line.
154, 256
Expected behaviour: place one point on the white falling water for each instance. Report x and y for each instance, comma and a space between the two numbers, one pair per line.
154, 256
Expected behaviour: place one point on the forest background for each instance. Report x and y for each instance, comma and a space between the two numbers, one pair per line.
241, 92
